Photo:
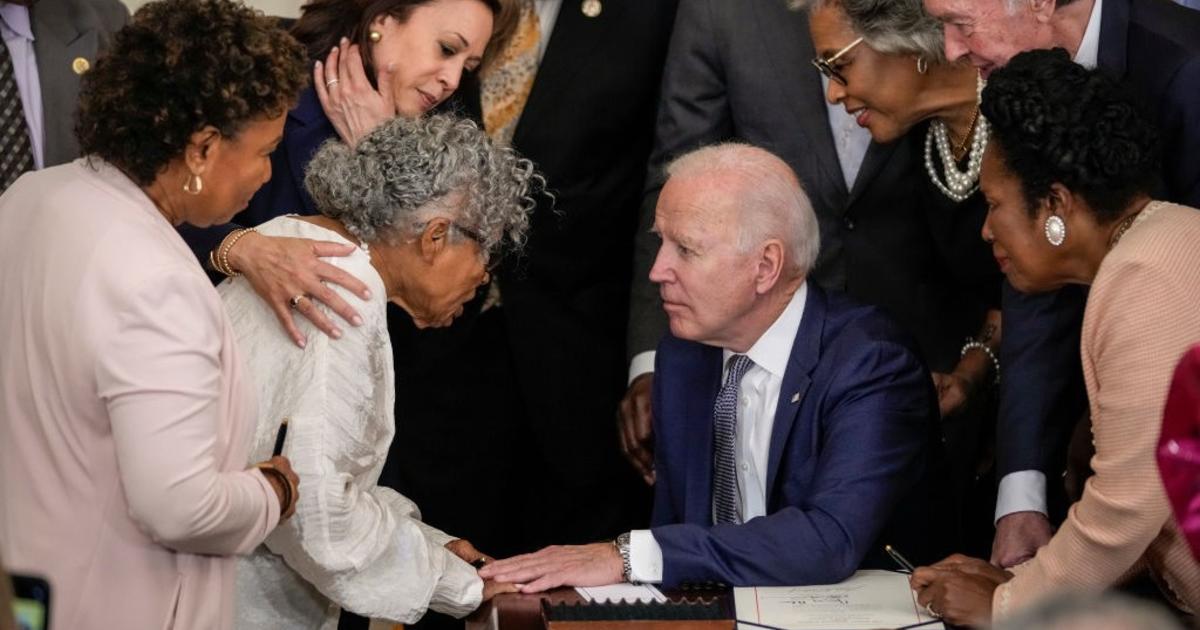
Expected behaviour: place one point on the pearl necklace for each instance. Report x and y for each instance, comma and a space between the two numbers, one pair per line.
959, 184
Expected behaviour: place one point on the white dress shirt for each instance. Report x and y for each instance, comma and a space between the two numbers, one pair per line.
758, 397
547, 11
18, 37
1025, 490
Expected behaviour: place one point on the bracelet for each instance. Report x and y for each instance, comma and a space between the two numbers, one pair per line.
221, 261
289, 498
978, 345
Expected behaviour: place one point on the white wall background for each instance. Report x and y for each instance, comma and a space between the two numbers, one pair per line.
282, 8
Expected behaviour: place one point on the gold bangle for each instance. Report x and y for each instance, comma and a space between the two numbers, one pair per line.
223, 251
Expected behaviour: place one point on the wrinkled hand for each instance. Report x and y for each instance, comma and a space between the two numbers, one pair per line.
954, 390
596, 564
635, 427
465, 550
1018, 537
959, 592
974, 566
352, 104
280, 268
283, 465
492, 588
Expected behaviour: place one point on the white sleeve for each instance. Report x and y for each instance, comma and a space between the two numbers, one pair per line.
642, 363
645, 557
1021, 491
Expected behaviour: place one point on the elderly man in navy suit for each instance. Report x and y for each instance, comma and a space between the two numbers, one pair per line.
1153, 46
796, 429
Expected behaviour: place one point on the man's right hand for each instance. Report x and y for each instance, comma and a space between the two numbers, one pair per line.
280, 268
635, 426
1018, 537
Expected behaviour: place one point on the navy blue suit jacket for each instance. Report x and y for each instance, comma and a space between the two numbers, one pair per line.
851, 464
1153, 46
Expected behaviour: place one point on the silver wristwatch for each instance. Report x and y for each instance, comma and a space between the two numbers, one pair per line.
622, 545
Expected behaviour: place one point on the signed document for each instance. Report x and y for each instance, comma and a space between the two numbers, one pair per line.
868, 600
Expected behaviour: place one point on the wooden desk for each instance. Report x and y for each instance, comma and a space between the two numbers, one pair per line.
515, 611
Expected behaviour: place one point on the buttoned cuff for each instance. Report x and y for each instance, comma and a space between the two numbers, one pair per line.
645, 557
642, 363
1021, 491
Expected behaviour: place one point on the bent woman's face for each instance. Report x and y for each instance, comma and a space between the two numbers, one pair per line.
241, 166
447, 279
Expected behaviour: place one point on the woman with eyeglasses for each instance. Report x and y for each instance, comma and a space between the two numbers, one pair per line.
421, 204
884, 63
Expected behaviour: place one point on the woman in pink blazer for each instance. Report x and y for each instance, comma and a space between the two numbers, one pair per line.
1179, 447
1068, 176
125, 419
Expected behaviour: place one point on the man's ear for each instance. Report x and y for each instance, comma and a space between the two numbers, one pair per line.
1043, 10
769, 265
434, 238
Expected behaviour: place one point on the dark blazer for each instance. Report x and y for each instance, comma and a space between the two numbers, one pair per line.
1154, 47
741, 71
66, 30
588, 126
852, 462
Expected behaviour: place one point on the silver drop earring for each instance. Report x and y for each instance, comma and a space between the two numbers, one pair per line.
1056, 230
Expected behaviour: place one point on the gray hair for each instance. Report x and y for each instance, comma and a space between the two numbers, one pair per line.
892, 27
409, 171
772, 201
1092, 611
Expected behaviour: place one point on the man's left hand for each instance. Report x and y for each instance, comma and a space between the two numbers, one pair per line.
596, 564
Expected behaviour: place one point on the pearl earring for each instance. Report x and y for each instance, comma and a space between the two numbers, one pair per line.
1056, 230
375, 36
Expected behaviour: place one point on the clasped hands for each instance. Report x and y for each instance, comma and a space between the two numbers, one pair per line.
596, 564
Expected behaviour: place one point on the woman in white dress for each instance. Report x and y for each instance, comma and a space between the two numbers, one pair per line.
427, 202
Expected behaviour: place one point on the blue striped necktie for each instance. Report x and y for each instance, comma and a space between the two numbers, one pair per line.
726, 497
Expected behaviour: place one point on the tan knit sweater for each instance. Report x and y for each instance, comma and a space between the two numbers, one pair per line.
1142, 315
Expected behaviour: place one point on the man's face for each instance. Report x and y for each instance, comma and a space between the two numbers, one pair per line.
706, 283
987, 33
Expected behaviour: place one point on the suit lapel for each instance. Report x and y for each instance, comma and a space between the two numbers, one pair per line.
57, 43
1114, 37
877, 156
698, 420
574, 37
785, 40
806, 352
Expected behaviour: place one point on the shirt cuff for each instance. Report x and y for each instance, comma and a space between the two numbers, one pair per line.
645, 557
1021, 491
459, 591
642, 363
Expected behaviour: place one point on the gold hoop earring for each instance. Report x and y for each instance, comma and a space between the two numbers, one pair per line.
375, 36
193, 185
922, 65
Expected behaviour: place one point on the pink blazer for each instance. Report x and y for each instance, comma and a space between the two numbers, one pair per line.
124, 415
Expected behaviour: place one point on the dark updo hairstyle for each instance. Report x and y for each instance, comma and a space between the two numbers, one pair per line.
1056, 121
323, 23
178, 67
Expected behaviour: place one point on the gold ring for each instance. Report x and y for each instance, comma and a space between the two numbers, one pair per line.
295, 301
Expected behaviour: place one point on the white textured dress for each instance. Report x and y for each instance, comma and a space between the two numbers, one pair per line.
351, 543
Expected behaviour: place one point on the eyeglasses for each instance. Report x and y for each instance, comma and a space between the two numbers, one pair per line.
825, 66
490, 262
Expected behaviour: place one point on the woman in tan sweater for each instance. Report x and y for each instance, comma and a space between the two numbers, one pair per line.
1066, 177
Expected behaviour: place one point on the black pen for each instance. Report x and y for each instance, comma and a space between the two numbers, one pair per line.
900, 560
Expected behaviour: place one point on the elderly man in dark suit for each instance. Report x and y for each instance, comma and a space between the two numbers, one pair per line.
48, 46
1154, 47
796, 429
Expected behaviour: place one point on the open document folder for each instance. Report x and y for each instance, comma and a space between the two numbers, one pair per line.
866, 601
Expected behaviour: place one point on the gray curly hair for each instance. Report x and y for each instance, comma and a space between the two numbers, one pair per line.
892, 27
410, 171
